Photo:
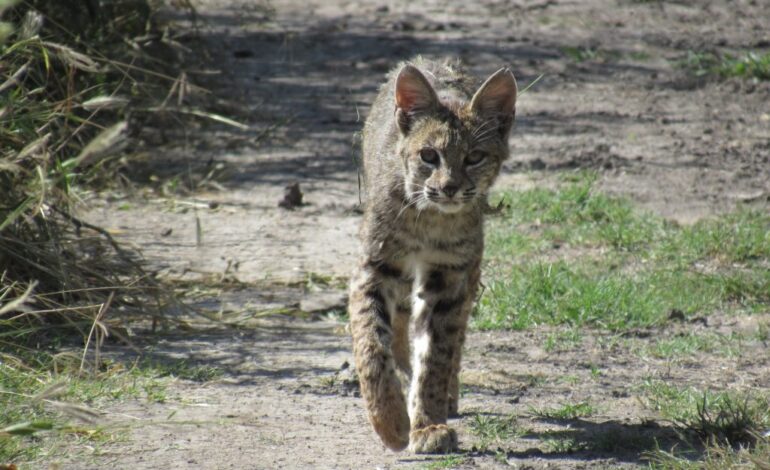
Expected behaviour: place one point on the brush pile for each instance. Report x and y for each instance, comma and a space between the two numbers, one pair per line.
71, 74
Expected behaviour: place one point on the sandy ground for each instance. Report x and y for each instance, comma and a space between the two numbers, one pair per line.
301, 74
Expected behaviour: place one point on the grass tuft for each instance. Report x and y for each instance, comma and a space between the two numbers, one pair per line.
491, 429
566, 411
727, 417
730, 427
730, 420
715, 458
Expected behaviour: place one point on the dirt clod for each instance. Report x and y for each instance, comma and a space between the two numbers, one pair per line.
292, 197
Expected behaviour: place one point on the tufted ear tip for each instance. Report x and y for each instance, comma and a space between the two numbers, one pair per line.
414, 96
497, 96
413, 91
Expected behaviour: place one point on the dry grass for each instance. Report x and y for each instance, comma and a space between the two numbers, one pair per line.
63, 121
74, 77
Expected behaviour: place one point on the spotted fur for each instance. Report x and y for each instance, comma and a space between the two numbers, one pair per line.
434, 143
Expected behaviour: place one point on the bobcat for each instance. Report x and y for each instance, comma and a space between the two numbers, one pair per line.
432, 149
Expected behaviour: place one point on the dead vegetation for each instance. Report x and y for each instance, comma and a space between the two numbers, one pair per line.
71, 72
75, 78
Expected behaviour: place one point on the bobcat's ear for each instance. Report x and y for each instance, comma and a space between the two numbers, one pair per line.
414, 96
496, 98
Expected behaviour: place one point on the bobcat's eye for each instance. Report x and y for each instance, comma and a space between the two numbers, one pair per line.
475, 158
429, 156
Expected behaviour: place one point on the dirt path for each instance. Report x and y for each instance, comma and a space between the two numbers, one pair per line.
301, 75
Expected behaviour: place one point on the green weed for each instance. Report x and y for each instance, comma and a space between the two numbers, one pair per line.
763, 332
570, 379
180, 369
450, 461
732, 427
580, 54
585, 54
565, 411
563, 445
563, 340
490, 429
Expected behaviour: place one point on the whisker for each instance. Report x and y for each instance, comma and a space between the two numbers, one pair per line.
412, 202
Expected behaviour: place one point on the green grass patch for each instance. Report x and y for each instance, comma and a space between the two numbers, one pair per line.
689, 344
563, 340
47, 400
580, 54
576, 294
621, 268
639, 56
587, 54
575, 214
747, 64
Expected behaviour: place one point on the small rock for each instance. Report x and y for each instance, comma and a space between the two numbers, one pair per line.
292, 197
537, 164
243, 54
402, 25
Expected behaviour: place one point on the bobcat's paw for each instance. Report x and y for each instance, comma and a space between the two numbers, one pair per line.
433, 439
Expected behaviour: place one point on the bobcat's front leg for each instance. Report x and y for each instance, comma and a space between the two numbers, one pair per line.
454, 378
373, 338
440, 299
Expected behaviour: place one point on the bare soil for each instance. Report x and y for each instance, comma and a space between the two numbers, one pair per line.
301, 75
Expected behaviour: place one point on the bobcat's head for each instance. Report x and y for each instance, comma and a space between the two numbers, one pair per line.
452, 149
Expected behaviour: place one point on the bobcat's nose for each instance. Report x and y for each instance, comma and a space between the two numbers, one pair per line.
450, 190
